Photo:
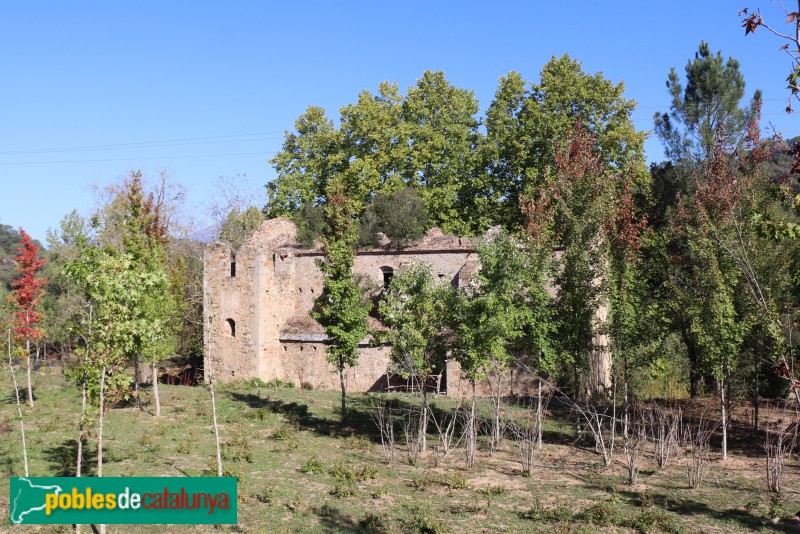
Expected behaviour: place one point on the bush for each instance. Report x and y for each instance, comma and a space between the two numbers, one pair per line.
373, 523
358, 443
307, 385
345, 490
267, 495
425, 522
561, 513
313, 466
457, 481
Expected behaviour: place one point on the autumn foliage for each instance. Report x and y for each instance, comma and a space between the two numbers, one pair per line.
28, 290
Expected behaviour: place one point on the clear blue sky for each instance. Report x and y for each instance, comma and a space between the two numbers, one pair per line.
92, 90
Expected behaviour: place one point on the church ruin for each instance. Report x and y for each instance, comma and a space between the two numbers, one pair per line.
257, 301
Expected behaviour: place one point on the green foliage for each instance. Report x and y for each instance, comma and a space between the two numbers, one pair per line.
415, 308
313, 466
526, 122
341, 309
310, 220
706, 111
240, 225
114, 326
424, 140
506, 309
400, 215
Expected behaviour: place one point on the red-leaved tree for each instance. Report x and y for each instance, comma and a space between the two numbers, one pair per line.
28, 292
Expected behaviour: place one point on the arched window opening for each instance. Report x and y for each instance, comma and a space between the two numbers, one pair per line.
388, 273
231, 327
233, 265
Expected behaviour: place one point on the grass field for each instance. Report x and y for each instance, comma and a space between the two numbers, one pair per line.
300, 471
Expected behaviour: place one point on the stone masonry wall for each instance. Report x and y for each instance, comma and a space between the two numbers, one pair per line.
274, 287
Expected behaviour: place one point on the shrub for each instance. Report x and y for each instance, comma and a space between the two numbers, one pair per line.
358, 443
373, 523
313, 466
425, 522
457, 481
282, 433
344, 490
266, 496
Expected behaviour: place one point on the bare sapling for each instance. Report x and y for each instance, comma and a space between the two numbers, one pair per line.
663, 430
526, 433
634, 436
446, 425
410, 426
383, 418
699, 449
470, 426
778, 443
602, 427
19, 405
497, 423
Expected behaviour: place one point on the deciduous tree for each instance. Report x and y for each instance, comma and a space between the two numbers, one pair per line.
26, 296
341, 309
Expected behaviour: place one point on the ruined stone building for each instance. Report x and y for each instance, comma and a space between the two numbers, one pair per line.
257, 302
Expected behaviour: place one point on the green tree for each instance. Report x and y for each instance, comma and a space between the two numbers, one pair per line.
504, 312
341, 308
426, 140
526, 122
240, 225
63, 301
703, 130
415, 308
705, 112
400, 215
112, 328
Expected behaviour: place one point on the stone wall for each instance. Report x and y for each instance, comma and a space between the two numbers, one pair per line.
268, 293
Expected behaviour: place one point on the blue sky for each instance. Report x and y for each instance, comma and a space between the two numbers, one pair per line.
93, 90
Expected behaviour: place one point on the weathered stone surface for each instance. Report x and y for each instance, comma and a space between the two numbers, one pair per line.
258, 298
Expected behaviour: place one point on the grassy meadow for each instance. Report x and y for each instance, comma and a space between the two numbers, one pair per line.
301, 471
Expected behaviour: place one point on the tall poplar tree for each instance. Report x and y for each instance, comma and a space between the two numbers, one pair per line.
341, 308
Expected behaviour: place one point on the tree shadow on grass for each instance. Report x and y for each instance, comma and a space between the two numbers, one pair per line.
11, 398
62, 459
359, 418
334, 520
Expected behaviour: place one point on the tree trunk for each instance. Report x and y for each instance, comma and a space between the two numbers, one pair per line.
28, 361
216, 427
100, 431
155, 390
343, 383
539, 417
577, 380
471, 441
19, 406
100, 422
422, 437
136, 391
724, 422
79, 459
755, 395
694, 375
